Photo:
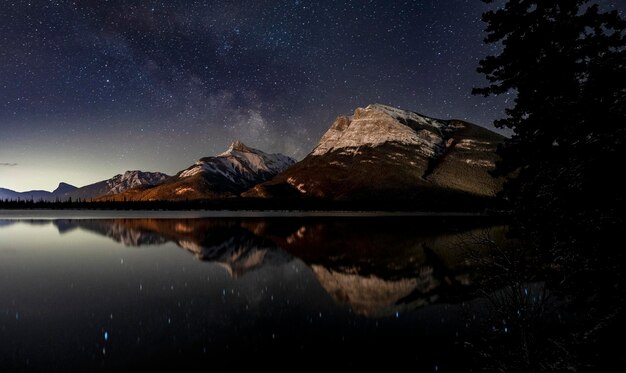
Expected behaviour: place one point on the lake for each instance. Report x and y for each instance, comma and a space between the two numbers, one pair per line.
91, 292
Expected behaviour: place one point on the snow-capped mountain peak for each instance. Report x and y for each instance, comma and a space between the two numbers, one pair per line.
240, 162
238, 146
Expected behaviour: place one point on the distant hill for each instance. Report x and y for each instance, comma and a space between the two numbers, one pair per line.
61, 193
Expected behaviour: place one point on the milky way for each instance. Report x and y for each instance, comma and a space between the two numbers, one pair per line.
91, 88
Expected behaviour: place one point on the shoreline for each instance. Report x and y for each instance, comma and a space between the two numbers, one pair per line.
52, 214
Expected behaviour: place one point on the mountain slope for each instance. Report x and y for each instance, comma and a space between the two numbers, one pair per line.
225, 175
386, 153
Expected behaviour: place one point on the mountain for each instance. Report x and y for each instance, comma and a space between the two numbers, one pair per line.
63, 192
60, 193
119, 184
64, 188
226, 175
384, 153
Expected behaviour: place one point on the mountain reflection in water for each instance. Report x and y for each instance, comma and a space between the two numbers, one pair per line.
377, 267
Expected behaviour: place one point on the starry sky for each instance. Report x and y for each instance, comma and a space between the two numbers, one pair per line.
91, 88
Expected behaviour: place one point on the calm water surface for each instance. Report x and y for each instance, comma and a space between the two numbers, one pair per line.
222, 293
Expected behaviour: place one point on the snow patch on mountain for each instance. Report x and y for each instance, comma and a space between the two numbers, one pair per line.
184, 190
480, 163
406, 117
300, 186
469, 144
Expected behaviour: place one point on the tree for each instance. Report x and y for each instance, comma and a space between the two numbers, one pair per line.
566, 61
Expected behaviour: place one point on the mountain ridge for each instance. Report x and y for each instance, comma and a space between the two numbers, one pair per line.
225, 175
377, 154
64, 191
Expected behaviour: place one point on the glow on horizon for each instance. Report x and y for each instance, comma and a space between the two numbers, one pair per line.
41, 160
38, 163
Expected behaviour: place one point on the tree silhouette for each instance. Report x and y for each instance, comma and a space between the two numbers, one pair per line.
566, 61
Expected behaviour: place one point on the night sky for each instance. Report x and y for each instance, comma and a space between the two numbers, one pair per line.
92, 88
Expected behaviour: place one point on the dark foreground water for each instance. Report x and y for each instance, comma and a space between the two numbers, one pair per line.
224, 293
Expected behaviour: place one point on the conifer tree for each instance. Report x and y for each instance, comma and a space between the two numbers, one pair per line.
566, 62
